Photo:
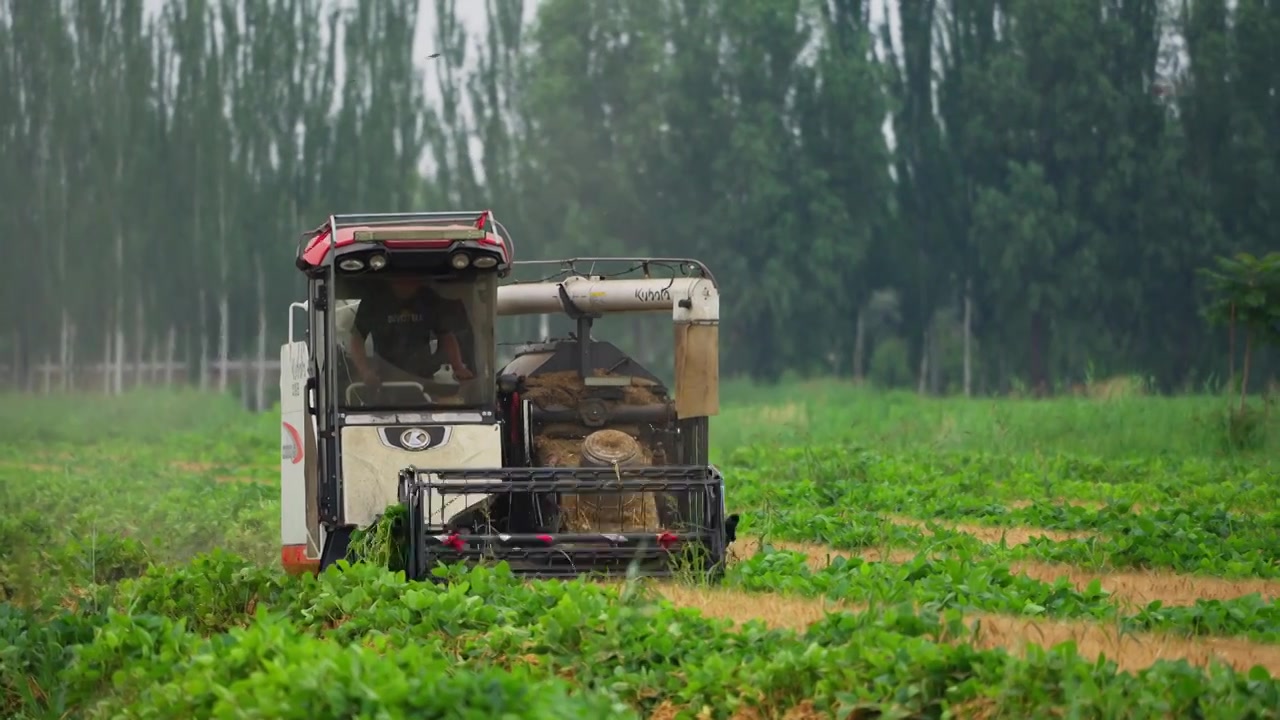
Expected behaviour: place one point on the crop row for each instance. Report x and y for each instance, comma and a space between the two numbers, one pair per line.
840, 496
961, 583
95, 523
964, 483
1189, 541
835, 495
222, 637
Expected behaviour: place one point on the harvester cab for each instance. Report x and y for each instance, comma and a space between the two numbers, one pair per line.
570, 459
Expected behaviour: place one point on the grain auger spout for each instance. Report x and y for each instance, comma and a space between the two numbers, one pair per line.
570, 459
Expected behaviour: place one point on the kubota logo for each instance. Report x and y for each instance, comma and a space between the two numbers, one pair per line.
415, 438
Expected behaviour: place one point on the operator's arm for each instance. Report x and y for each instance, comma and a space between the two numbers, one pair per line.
355, 345
449, 319
358, 354
449, 342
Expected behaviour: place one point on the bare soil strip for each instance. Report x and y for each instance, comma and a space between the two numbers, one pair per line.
804, 711
1128, 589
818, 556
32, 467
1090, 504
247, 473
1136, 507
1016, 535
1133, 651
191, 467
1141, 587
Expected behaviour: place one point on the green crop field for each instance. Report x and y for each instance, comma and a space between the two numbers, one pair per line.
1078, 557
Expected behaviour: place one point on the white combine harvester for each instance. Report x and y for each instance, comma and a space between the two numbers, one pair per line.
570, 459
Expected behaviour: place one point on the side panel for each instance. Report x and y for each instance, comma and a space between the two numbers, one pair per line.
297, 449
373, 456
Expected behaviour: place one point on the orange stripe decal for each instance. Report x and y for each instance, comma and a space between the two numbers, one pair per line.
295, 561
297, 443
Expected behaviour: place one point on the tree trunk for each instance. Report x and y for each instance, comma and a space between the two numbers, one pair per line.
921, 386
140, 340
260, 390
860, 345
968, 337
64, 352
1244, 372
935, 367
224, 340
106, 356
154, 372
1039, 375
74, 331
169, 356
117, 384
1231, 348
201, 365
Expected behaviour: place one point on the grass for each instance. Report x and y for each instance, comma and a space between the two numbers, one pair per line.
897, 555
1127, 426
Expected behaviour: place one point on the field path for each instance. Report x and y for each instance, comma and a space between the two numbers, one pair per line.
991, 534
1127, 587
1131, 651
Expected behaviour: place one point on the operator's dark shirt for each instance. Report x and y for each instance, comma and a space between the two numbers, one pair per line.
402, 329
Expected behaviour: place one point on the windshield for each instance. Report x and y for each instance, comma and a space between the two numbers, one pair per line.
414, 342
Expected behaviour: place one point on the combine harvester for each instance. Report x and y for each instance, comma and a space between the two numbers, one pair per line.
571, 459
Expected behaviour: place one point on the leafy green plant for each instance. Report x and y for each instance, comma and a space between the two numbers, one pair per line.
1246, 294
150, 583
383, 542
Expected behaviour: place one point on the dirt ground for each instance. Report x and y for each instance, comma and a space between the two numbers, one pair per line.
1127, 587
1131, 651
989, 534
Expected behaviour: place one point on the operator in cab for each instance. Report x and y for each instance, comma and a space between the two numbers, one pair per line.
402, 315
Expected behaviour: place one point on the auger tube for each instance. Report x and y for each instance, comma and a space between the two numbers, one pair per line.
688, 299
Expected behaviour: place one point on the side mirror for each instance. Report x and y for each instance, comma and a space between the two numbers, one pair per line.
309, 392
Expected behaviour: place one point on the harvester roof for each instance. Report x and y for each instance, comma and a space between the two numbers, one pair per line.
394, 232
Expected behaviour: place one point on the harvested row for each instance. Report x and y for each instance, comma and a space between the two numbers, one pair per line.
1127, 588
1131, 651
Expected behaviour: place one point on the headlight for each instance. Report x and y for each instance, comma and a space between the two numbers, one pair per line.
377, 262
485, 261
459, 261
351, 264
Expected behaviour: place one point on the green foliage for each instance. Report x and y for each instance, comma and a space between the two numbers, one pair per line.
1038, 168
1246, 289
1122, 428
1246, 293
382, 542
145, 579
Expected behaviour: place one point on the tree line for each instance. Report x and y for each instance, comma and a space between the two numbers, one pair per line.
1000, 194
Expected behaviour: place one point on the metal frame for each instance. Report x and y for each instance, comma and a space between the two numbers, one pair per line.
541, 555
329, 416
338, 222
571, 265
535, 554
